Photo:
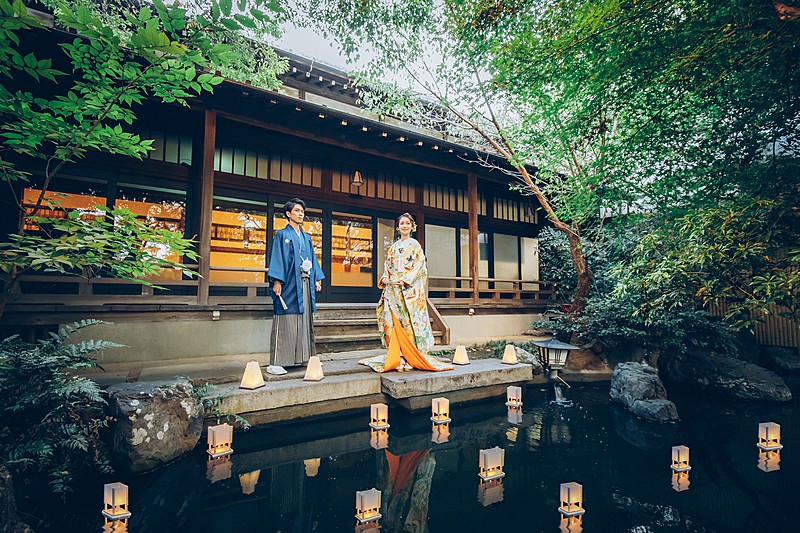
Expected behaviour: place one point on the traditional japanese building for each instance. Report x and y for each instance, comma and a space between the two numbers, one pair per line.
220, 172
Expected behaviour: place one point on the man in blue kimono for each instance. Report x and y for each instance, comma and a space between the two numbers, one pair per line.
293, 271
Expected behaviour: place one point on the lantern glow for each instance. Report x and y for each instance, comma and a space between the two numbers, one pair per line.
491, 463
490, 492
312, 466
379, 438
514, 396
368, 505
553, 353
571, 524
769, 436
115, 501
219, 468
571, 497
680, 481
248, 481
220, 439
510, 355
314, 369
515, 415
252, 378
680, 459
769, 460
379, 416
460, 357
440, 411
440, 433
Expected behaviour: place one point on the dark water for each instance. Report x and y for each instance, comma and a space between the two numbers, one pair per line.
622, 463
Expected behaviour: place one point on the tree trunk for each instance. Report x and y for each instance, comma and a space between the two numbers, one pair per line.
583, 271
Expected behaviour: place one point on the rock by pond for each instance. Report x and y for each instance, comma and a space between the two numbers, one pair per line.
157, 422
709, 371
639, 389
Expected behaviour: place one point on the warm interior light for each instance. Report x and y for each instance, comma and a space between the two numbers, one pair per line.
680, 459
491, 462
368, 505
252, 378
571, 496
515, 415
219, 468
440, 410
379, 416
460, 357
510, 355
115, 501
571, 524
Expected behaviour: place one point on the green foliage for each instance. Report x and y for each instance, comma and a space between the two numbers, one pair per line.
120, 57
108, 242
615, 322
742, 257
51, 419
213, 403
497, 347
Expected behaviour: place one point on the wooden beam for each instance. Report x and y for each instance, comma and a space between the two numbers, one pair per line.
419, 202
206, 203
472, 210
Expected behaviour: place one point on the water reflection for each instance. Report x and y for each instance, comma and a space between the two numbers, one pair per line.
680, 481
571, 524
219, 468
407, 482
769, 460
490, 492
248, 481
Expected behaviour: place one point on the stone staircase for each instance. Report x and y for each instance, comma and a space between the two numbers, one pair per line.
344, 327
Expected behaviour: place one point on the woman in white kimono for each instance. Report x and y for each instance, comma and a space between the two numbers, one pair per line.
403, 308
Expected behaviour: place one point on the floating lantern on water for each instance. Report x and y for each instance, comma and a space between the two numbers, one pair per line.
220, 439
515, 415
460, 357
510, 355
490, 492
368, 505
571, 497
514, 396
219, 468
248, 481
491, 463
252, 378
314, 370
312, 466
379, 438
572, 524
680, 459
379, 416
440, 433
440, 410
769, 436
769, 460
115, 501
680, 481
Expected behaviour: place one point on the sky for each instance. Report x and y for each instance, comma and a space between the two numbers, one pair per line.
307, 43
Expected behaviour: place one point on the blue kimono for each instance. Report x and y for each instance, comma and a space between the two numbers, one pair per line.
288, 252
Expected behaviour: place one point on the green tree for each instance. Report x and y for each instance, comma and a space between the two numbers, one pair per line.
119, 58
660, 105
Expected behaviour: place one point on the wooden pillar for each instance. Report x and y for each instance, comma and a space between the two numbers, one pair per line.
419, 201
472, 201
206, 204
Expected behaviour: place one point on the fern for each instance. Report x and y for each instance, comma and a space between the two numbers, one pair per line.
213, 406
51, 420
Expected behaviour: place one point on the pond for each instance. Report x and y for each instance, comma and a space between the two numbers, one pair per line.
304, 477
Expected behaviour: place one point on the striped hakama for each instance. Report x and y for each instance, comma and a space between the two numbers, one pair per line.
292, 341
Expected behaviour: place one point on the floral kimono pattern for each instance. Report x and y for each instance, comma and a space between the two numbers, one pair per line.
402, 311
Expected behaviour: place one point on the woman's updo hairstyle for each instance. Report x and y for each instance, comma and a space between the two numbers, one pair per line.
409, 217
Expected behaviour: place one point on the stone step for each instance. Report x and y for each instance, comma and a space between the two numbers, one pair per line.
344, 326
344, 311
358, 341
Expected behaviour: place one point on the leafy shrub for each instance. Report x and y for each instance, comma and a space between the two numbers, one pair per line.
51, 419
615, 322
